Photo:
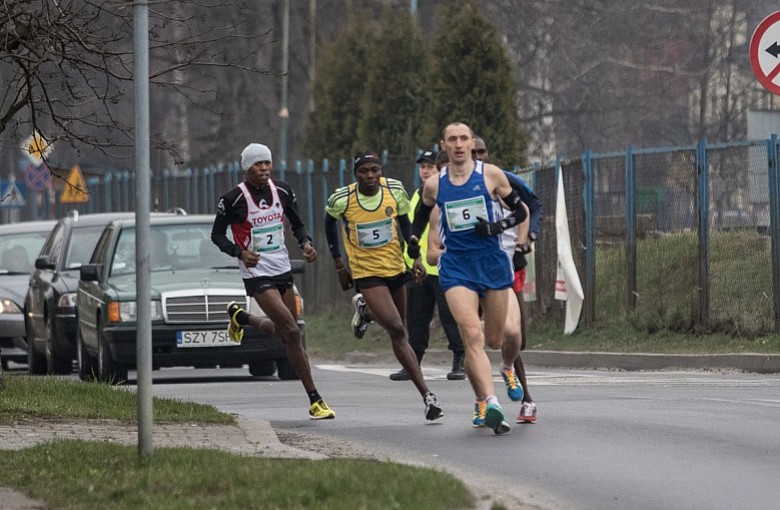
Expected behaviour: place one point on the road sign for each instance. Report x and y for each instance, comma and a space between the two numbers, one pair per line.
765, 53
36, 148
11, 196
37, 177
74, 190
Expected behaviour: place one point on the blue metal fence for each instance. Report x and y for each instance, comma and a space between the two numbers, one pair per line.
686, 237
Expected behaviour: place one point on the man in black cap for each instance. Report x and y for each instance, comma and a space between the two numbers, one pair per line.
371, 211
424, 296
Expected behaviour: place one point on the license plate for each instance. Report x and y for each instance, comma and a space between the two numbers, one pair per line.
212, 338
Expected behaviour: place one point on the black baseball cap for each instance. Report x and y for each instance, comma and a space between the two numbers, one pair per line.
428, 156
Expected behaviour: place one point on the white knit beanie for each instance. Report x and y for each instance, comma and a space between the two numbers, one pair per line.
253, 153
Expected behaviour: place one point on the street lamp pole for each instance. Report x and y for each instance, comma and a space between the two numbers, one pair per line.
284, 113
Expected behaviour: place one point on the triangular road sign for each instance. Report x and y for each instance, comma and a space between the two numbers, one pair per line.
11, 196
75, 189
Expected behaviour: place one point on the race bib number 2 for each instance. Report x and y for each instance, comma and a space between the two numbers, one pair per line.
267, 239
462, 214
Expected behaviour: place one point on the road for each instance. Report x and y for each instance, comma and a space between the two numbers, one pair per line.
607, 440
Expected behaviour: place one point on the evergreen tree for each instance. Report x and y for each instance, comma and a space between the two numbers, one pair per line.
337, 92
473, 82
395, 92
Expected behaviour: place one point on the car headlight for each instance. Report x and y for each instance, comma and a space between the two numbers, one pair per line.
8, 306
67, 300
127, 311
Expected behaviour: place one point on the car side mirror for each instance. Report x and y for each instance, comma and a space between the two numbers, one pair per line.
90, 272
43, 263
297, 266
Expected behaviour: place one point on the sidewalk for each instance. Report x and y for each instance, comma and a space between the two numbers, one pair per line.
756, 363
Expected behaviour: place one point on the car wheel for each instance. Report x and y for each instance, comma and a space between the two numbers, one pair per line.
108, 370
87, 364
36, 362
262, 368
285, 370
56, 363
4, 363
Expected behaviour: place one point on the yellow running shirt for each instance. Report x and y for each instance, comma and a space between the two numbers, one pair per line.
370, 229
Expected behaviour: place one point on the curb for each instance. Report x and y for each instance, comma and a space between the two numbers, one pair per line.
755, 363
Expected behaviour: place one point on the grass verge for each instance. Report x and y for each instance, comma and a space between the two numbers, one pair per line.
26, 398
328, 336
85, 475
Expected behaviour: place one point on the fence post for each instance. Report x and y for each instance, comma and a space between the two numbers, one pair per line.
774, 225
125, 188
325, 191
310, 202
342, 169
166, 175
630, 231
703, 210
590, 241
282, 169
107, 191
187, 186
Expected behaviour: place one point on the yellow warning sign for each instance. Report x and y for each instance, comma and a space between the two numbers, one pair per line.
36, 147
75, 189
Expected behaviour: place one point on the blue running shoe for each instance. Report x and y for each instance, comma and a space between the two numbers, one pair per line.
494, 418
478, 416
513, 388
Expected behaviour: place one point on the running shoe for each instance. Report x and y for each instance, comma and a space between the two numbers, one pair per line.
527, 413
513, 388
432, 409
494, 418
478, 416
320, 411
401, 375
235, 330
359, 322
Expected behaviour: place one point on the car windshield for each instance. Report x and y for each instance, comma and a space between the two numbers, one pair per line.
18, 251
82, 244
173, 247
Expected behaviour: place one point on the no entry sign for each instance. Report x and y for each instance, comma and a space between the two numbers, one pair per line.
765, 53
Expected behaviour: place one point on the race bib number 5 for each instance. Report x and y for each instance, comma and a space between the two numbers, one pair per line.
463, 214
375, 234
267, 239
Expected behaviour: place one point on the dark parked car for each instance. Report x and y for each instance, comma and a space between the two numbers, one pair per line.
192, 284
50, 304
19, 245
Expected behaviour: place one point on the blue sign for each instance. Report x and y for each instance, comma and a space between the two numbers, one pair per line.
12, 195
38, 178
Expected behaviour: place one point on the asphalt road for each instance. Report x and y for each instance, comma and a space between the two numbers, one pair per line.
604, 439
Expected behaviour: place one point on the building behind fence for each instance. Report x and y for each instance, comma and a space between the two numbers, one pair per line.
677, 237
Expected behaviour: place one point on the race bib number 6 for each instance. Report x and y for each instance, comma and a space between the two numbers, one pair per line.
462, 214
375, 234
267, 239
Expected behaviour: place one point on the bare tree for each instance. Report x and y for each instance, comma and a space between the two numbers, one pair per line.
66, 67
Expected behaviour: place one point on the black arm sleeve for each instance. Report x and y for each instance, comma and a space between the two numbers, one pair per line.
290, 205
422, 214
222, 222
519, 214
332, 235
406, 227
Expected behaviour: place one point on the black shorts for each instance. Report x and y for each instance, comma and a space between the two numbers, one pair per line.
260, 284
392, 282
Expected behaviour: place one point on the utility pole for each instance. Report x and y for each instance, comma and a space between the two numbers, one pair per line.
143, 284
284, 113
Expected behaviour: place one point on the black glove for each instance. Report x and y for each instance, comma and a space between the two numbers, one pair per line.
413, 249
519, 261
485, 229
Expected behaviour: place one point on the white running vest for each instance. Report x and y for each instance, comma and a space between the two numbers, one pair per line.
264, 234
